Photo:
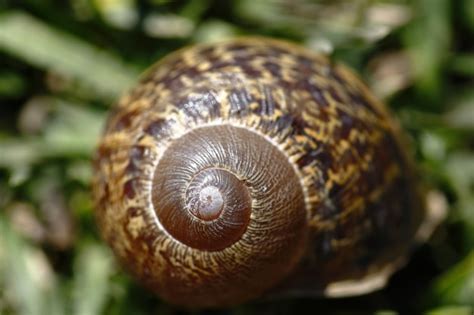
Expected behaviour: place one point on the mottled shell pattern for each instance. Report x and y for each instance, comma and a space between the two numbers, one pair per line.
253, 167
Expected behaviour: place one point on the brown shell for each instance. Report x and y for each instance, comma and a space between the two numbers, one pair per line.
333, 205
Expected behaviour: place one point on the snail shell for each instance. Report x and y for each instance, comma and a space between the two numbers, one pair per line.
254, 166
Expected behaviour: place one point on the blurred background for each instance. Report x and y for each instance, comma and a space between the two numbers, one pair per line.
64, 63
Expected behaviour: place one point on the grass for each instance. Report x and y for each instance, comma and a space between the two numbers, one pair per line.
63, 63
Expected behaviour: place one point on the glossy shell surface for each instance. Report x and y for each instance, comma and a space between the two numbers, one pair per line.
325, 193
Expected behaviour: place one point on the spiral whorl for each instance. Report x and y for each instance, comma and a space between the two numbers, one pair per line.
206, 180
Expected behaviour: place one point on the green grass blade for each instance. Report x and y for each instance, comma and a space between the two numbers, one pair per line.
41, 45
90, 286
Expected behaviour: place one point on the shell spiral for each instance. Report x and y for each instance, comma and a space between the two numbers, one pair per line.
253, 165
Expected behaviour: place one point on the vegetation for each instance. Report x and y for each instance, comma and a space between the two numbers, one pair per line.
63, 63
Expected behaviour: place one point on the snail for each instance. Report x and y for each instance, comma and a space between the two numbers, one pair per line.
254, 167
